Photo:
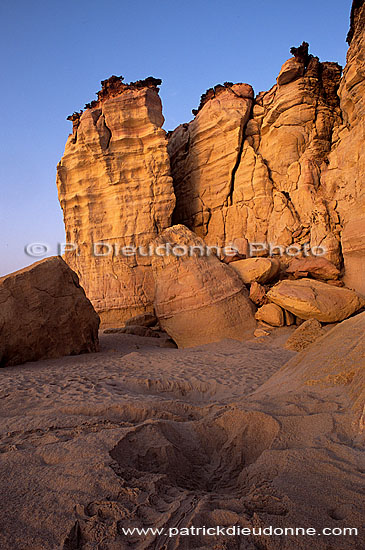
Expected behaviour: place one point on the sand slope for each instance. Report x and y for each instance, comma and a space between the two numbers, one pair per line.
138, 435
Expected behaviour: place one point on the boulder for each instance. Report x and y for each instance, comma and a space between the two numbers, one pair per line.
45, 314
311, 299
307, 333
259, 270
198, 299
258, 294
271, 314
292, 69
316, 267
289, 318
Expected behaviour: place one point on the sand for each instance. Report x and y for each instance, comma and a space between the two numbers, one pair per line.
143, 436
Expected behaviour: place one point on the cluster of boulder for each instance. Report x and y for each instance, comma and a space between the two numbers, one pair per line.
200, 299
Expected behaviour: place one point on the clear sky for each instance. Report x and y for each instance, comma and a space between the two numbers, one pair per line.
55, 52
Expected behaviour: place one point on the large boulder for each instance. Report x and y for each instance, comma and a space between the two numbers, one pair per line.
256, 270
44, 313
198, 299
310, 299
316, 267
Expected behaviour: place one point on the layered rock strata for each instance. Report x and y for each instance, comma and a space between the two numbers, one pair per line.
252, 169
295, 175
115, 188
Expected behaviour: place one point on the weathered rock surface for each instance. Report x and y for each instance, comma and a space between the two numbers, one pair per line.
300, 165
307, 333
337, 359
316, 267
271, 314
343, 176
272, 192
115, 187
45, 314
289, 318
256, 270
353, 249
311, 299
258, 294
137, 330
204, 157
199, 299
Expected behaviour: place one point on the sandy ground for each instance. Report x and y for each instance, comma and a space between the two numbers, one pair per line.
144, 436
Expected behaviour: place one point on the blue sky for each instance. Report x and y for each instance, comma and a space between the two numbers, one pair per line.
54, 54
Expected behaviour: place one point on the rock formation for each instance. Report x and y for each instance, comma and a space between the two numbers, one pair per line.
115, 187
272, 190
198, 299
283, 168
299, 165
45, 313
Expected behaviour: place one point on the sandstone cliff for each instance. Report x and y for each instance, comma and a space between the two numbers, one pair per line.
286, 167
115, 187
273, 186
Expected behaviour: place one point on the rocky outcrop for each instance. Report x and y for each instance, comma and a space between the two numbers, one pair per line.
115, 187
198, 299
44, 313
299, 168
310, 299
271, 190
284, 169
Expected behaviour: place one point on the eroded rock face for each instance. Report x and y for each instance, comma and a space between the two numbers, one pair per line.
205, 155
310, 299
298, 175
115, 187
199, 299
45, 314
343, 176
271, 190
